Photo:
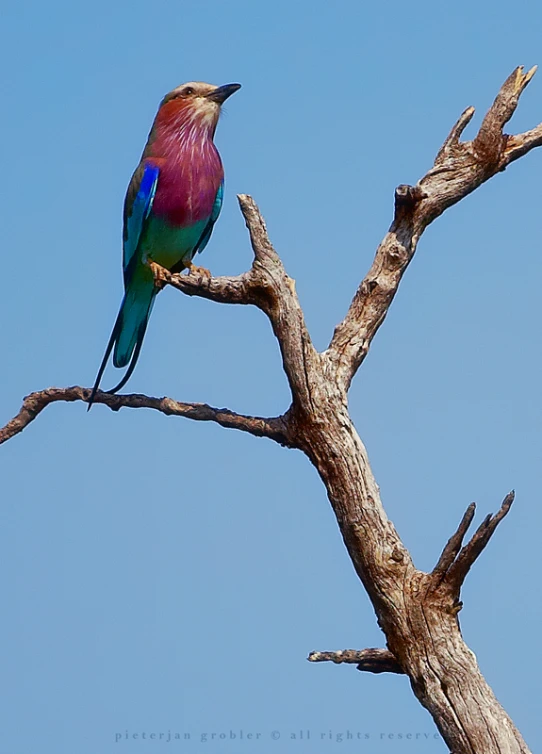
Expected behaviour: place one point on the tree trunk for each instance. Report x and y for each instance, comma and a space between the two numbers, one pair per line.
418, 613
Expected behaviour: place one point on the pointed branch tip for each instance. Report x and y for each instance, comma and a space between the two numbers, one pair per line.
452, 547
522, 79
468, 554
531, 73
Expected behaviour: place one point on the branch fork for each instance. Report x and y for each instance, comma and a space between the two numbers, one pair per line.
457, 559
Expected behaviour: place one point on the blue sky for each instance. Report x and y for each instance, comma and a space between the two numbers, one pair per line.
164, 575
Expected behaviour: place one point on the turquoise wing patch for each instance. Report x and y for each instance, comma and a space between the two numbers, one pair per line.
217, 206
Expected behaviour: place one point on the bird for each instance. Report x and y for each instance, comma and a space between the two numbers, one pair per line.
172, 204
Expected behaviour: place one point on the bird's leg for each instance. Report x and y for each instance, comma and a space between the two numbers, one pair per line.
160, 274
194, 270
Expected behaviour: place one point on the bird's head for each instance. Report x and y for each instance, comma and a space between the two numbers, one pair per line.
198, 102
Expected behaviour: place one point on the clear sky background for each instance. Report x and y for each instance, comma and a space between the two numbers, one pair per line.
159, 574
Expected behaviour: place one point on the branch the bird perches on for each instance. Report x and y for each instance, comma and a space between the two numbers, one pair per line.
417, 611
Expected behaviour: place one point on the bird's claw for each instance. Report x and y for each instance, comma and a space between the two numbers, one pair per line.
160, 275
195, 270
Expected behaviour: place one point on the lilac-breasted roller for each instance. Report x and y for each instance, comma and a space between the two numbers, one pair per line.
171, 206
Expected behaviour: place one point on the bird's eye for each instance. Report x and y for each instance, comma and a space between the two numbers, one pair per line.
188, 90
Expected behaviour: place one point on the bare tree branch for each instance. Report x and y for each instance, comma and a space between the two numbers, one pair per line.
369, 660
223, 290
274, 428
267, 286
452, 140
460, 167
519, 145
489, 144
453, 546
280, 302
471, 551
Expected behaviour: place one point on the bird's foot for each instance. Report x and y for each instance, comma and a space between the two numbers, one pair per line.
160, 275
195, 270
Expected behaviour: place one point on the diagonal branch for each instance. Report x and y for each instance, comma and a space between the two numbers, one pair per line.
369, 660
471, 551
490, 143
519, 145
277, 297
456, 561
453, 546
267, 286
452, 140
275, 428
459, 168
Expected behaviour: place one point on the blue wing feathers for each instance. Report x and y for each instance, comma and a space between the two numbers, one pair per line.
139, 210
139, 281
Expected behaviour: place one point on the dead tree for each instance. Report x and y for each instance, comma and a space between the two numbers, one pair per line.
417, 611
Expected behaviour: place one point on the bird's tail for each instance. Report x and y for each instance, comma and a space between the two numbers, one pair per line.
129, 329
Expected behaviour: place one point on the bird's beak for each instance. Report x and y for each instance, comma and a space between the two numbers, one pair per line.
221, 93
